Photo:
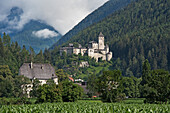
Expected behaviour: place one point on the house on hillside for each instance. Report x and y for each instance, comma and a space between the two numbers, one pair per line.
42, 72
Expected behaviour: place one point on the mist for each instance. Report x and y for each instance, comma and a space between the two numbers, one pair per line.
63, 15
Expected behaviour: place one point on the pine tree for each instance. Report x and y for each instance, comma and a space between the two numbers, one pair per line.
146, 70
39, 57
1, 48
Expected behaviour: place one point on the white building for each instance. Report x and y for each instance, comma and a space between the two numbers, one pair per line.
94, 49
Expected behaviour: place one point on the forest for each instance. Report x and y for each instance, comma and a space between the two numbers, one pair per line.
108, 83
139, 31
12, 56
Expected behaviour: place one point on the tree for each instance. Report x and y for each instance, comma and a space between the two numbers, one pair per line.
71, 92
5, 71
19, 81
158, 89
1, 48
146, 69
24, 54
49, 93
92, 84
36, 84
6, 40
61, 75
7, 87
137, 81
39, 57
110, 85
32, 54
47, 55
131, 86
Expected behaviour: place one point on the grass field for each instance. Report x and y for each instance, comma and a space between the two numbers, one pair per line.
88, 106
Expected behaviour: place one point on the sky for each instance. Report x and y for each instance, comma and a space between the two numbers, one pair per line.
63, 15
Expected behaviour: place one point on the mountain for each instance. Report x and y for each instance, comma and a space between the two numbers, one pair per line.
139, 31
34, 33
96, 16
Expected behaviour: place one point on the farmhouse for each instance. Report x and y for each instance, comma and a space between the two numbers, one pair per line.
94, 49
42, 72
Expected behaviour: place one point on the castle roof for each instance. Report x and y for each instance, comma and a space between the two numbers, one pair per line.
37, 70
92, 42
101, 34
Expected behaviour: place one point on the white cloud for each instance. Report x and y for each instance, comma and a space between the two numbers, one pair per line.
45, 33
61, 14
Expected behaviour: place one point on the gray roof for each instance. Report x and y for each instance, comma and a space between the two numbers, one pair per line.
92, 42
39, 71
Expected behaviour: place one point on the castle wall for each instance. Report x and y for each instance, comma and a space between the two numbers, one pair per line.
76, 51
67, 50
95, 45
97, 56
83, 51
107, 49
109, 56
104, 52
91, 52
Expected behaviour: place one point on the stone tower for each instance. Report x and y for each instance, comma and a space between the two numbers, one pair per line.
101, 41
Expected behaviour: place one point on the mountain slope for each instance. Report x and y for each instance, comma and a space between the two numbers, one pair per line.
26, 36
139, 31
96, 16
34, 33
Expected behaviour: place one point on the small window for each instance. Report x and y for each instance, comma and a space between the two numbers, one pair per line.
42, 67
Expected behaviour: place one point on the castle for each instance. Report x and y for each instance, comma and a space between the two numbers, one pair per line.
94, 50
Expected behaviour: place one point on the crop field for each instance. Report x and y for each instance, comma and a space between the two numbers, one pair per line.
86, 107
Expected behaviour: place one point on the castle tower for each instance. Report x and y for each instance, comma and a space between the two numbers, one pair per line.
101, 41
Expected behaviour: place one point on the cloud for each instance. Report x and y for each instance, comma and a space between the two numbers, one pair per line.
45, 33
61, 14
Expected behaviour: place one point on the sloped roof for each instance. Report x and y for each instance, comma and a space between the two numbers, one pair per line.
101, 34
39, 71
70, 78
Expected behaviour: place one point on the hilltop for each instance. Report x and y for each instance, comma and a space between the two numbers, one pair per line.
99, 14
139, 31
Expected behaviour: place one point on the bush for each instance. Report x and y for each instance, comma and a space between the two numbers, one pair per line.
71, 92
49, 93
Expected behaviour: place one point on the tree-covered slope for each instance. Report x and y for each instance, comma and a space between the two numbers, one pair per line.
139, 31
96, 16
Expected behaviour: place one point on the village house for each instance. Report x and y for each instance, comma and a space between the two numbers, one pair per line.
94, 49
42, 72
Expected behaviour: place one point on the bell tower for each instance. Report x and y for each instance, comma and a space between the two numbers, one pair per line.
101, 41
